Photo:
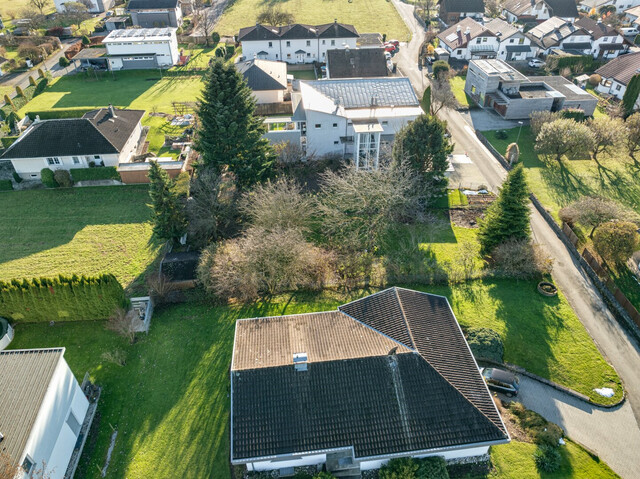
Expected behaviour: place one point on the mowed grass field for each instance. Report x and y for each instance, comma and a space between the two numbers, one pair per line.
368, 16
173, 392
143, 90
77, 231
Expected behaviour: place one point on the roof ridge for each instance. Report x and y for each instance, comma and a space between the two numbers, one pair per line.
412, 349
404, 317
102, 134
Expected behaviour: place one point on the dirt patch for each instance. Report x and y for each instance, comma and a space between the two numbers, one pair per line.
516, 431
466, 217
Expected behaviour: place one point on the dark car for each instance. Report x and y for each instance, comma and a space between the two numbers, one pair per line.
501, 381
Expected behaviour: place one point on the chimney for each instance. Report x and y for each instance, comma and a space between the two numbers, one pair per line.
112, 111
300, 361
458, 28
467, 31
599, 20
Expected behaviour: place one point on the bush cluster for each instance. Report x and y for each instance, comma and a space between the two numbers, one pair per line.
547, 458
5, 185
63, 178
61, 298
486, 343
89, 174
48, 179
410, 468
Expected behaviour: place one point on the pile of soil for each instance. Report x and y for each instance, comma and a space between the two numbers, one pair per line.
466, 217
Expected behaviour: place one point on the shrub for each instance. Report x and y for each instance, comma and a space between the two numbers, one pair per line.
42, 84
502, 134
513, 153
547, 458
47, 178
61, 298
432, 468
402, 468
215, 36
5, 185
486, 343
220, 52
27, 50
8, 101
19, 91
595, 79
230, 50
85, 40
540, 430
573, 113
32, 81
124, 323
440, 67
181, 184
64, 62
17, 177
55, 114
63, 178
55, 32
7, 141
616, 241
519, 258
89, 174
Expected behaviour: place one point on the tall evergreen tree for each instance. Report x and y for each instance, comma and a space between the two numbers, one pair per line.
508, 216
230, 135
424, 147
169, 222
631, 94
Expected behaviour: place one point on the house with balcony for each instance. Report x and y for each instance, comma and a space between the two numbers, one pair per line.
530, 11
102, 137
296, 43
389, 375
513, 45
495, 85
42, 412
155, 13
142, 48
469, 39
606, 42
617, 74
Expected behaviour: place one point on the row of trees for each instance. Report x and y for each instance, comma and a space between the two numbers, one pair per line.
557, 136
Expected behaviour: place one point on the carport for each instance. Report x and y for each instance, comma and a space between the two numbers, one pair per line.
91, 58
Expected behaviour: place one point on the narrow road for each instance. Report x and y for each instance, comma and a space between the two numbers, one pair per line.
614, 434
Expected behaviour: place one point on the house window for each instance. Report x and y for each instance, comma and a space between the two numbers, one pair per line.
459, 52
484, 39
96, 157
336, 142
28, 464
335, 125
367, 150
54, 161
308, 54
521, 41
333, 43
324, 42
288, 56
270, 44
618, 87
318, 125
511, 40
288, 43
385, 123
478, 40
73, 424
308, 43
76, 160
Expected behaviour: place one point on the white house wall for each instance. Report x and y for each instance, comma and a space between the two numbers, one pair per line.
311, 460
268, 96
29, 168
130, 146
467, 52
166, 51
280, 50
615, 88
615, 39
52, 441
514, 40
96, 5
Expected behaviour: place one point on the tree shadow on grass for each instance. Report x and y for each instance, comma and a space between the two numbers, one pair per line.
563, 183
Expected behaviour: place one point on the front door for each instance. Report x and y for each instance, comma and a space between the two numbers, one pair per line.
300, 57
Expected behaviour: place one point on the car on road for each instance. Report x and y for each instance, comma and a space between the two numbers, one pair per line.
536, 63
391, 48
501, 381
394, 42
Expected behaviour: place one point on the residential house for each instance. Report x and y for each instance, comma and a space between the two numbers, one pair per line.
493, 84
103, 137
469, 39
356, 63
562, 34
142, 48
42, 411
117, 23
267, 79
528, 11
296, 43
598, 6
633, 15
617, 74
452, 11
606, 42
514, 45
93, 6
386, 376
155, 13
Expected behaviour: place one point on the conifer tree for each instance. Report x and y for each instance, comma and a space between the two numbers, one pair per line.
631, 94
508, 216
230, 135
169, 222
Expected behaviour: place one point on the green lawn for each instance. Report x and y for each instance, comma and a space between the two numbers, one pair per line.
303, 74
515, 461
368, 16
172, 394
158, 128
134, 89
79, 230
457, 86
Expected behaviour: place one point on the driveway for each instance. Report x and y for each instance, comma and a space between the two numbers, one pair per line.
483, 120
613, 434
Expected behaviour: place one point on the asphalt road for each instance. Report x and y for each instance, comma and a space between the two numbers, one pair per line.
614, 434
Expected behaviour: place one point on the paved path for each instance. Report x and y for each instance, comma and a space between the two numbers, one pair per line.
614, 434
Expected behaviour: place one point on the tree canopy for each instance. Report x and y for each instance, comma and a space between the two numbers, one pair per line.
169, 222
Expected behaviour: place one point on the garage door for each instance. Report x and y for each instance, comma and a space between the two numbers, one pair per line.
139, 63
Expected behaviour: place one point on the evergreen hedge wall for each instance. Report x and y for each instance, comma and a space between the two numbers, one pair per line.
61, 298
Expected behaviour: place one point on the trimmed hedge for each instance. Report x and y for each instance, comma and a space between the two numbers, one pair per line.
7, 141
47, 178
55, 114
92, 174
486, 343
5, 185
62, 298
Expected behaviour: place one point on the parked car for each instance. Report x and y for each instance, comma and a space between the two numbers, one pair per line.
394, 42
630, 31
536, 63
501, 381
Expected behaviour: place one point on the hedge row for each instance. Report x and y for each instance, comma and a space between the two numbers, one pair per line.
61, 299
98, 173
55, 114
5, 185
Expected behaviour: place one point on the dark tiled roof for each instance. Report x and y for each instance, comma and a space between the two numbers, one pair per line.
463, 5
378, 404
264, 74
563, 8
596, 29
93, 134
151, 4
359, 63
297, 31
455, 38
500, 28
621, 68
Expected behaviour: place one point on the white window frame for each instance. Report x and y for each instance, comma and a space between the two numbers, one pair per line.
54, 160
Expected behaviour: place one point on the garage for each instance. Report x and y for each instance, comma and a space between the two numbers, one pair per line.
139, 62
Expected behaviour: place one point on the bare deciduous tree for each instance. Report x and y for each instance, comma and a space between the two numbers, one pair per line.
564, 137
8, 467
441, 94
275, 16
40, 4
33, 18
493, 8
593, 211
521, 258
608, 135
205, 22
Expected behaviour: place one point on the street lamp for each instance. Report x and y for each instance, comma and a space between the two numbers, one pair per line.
519, 131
